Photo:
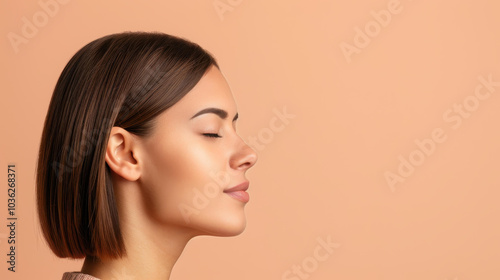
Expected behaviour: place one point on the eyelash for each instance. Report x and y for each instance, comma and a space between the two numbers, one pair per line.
212, 135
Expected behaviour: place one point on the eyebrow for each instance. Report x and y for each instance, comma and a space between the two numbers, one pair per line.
219, 112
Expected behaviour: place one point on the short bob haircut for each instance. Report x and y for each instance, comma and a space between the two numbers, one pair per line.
125, 80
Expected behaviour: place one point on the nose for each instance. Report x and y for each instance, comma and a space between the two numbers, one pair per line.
244, 157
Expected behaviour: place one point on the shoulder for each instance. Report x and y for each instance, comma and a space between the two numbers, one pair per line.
75, 275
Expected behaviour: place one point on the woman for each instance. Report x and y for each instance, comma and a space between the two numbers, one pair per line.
139, 154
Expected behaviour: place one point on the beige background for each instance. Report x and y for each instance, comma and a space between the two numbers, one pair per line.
323, 172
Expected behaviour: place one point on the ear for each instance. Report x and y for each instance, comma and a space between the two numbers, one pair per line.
121, 154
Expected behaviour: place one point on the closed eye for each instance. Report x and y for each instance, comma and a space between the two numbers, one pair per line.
212, 135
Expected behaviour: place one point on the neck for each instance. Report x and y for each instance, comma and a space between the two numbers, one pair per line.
146, 258
152, 249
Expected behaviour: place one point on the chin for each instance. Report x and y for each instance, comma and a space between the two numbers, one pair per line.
233, 229
227, 225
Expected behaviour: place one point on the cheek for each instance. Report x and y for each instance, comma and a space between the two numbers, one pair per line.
175, 170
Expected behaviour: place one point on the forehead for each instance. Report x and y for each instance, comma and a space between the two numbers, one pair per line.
211, 91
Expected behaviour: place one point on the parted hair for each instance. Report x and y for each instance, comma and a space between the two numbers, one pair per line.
126, 80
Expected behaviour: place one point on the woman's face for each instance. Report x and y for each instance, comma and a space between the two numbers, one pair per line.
191, 158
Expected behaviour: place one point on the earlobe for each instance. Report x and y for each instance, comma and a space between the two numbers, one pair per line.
120, 155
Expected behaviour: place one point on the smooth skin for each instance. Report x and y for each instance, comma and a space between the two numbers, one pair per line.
158, 182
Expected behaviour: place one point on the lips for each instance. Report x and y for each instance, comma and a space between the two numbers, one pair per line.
240, 187
238, 192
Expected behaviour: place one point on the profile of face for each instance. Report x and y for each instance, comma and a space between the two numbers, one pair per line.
185, 168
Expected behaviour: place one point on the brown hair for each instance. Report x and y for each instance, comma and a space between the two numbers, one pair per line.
125, 80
